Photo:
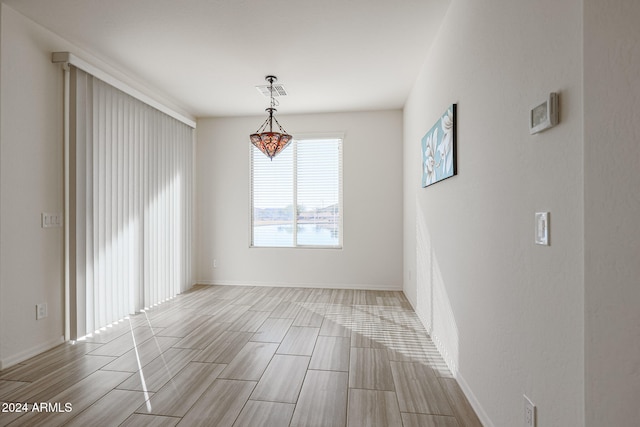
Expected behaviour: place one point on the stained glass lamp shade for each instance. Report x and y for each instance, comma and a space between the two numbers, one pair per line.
270, 142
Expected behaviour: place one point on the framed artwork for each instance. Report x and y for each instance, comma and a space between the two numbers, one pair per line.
439, 149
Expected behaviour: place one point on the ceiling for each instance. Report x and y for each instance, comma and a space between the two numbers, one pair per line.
207, 56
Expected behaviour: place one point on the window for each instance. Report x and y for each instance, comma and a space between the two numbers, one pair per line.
296, 198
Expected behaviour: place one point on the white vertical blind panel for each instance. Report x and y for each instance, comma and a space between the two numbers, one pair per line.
134, 178
169, 230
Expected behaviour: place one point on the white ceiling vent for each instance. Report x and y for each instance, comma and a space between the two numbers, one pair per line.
278, 90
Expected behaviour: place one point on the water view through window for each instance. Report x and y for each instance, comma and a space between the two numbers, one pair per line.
282, 235
306, 175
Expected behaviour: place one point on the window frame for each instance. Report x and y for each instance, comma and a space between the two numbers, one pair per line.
294, 146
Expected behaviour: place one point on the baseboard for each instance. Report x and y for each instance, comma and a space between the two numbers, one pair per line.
33, 351
363, 287
442, 349
453, 367
473, 401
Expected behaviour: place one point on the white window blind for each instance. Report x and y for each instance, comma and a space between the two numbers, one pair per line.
297, 197
131, 197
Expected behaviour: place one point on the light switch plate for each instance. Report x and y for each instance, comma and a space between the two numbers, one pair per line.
50, 220
542, 228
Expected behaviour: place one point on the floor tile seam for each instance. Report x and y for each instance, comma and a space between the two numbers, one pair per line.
162, 353
31, 398
53, 399
261, 375
265, 370
372, 389
431, 384
89, 339
294, 354
283, 337
190, 348
171, 374
210, 386
265, 341
154, 415
136, 345
256, 329
232, 379
431, 414
186, 363
173, 336
71, 385
194, 402
395, 385
452, 405
150, 392
247, 400
274, 401
24, 400
207, 363
326, 370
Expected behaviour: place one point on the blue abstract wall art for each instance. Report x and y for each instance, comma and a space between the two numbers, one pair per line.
439, 149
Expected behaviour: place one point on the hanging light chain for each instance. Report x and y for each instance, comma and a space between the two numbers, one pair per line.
273, 102
263, 126
279, 125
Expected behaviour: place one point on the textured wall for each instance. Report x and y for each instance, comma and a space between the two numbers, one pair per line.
507, 314
31, 153
612, 211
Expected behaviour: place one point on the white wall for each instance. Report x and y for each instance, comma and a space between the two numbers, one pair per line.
612, 211
507, 314
372, 244
31, 182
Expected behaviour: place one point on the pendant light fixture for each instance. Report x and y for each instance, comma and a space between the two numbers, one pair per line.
268, 141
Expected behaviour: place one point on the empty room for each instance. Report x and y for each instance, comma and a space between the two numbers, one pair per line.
319, 213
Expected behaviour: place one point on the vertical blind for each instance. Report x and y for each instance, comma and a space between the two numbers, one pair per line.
131, 198
297, 197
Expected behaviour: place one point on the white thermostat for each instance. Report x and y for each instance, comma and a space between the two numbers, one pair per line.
545, 115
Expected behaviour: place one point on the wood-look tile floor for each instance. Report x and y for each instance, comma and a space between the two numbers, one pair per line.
246, 356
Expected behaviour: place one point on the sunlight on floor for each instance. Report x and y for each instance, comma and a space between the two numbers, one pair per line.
144, 385
387, 326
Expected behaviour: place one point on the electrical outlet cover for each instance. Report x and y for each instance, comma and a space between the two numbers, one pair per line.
41, 311
529, 412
